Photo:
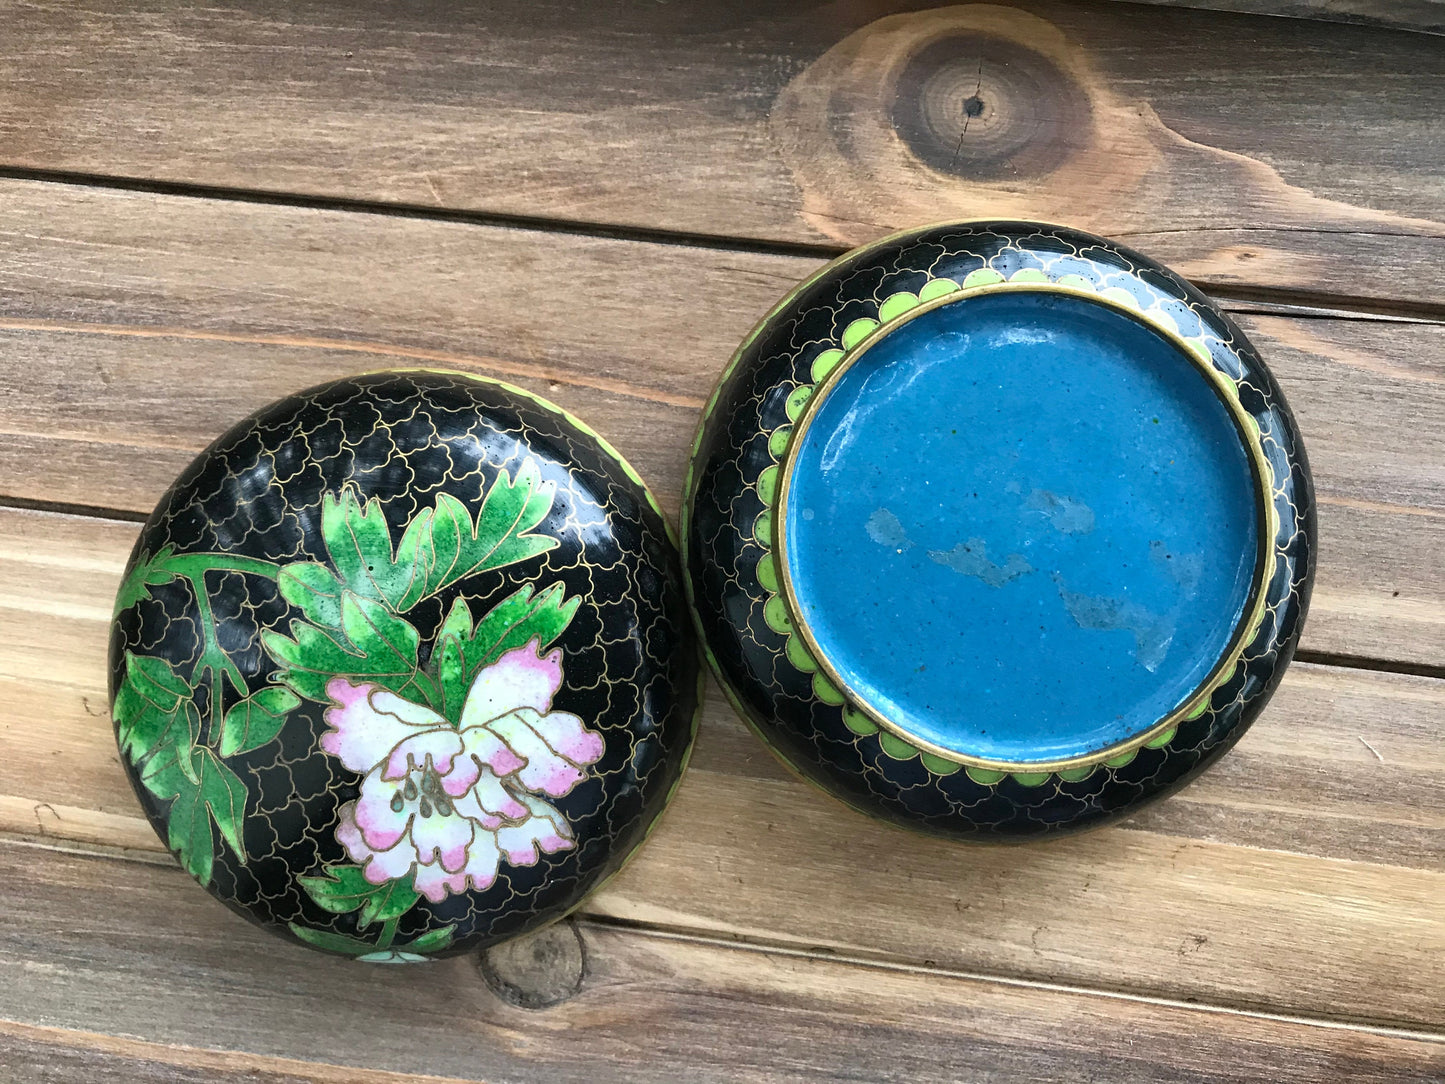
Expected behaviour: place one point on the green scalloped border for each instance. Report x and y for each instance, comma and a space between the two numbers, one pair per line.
775, 609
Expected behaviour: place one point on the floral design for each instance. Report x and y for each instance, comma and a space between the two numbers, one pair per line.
445, 803
456, 743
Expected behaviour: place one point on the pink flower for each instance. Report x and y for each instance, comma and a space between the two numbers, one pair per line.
447, 803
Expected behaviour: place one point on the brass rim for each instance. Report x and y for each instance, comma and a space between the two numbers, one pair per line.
1251, 613
837, 263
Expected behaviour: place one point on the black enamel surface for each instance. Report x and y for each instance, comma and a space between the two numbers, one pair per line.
744, 434
628, 654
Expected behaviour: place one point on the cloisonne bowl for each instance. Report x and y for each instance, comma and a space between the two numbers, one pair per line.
998, 530
401, 665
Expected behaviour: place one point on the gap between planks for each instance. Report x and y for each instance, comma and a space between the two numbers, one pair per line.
365, 346
226, 1064
1242, 297
775, 948
764, 947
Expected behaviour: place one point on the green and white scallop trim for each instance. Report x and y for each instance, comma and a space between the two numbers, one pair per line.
775, 609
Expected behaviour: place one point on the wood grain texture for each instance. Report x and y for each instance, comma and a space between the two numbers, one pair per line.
135, 328
136, 956
1246, 151
678, 167
1305, 873
1426, 16
48, 1055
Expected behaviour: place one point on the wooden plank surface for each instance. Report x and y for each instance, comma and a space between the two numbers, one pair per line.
40, 1055
205, 207
136, 327
136, 956
1306, 872
1249, 152
1426, 16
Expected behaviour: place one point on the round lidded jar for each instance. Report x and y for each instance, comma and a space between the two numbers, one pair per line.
401, 665
998, 529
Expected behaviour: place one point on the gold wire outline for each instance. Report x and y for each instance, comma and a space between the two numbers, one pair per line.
1250, 615
695, 722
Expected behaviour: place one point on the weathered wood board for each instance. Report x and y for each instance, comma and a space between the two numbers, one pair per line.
136, 957
1249, 152
205, 207
135, 328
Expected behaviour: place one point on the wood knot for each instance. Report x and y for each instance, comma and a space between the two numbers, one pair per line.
984, 108
964, 111
536, 970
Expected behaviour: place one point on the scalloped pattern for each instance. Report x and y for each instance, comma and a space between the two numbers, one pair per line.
403, 438
730, 502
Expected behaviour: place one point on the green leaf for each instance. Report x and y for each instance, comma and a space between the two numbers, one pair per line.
440, 546
156, 676
417, 555
332, 942
458, 622
312, 651
153, 708
171, 771
256, 720
431, 941
345, 888
307, 684
357, 540
451, 672
208, 793
359, 543
448, 661
148, 572
511, 509
388, 643
225, 797
499, 537
314, 589
374, 645
188, 828
515, 620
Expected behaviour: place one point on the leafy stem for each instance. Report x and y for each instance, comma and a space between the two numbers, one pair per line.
213, 661
164, 566
214, 664
193, 566
388, 933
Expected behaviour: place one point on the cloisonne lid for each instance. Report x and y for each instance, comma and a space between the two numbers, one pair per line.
400, 665
998, 529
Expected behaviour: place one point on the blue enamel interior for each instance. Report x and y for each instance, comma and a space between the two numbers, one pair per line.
1021, 526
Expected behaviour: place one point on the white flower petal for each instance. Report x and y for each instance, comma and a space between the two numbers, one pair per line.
478, 874
468, 806
496, 799
378, 866
522, 677
481, 750
390, 865
546, 770
380, 823
349, 835
367, 722
545, 830
566, 735
445, 837
441, 744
